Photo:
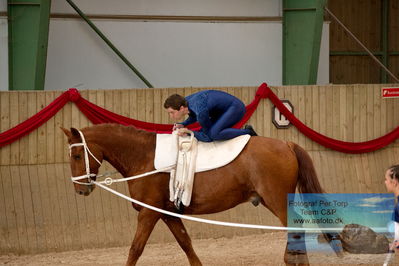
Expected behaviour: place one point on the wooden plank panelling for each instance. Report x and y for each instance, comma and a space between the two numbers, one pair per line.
55, 206
73, 232
343, 106
363, 114
8, 221
362, 70
393, 26
14, 120
299, 112
45, 199
40, 211
19, 208
23, 115
323, 111
50, 132
59, 140
363, 20
62, 204
41, 152
358, 112
4, 241
349, 115
5, 125
33, 140
393, 67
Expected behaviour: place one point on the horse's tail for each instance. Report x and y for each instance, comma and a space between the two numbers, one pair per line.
307, 177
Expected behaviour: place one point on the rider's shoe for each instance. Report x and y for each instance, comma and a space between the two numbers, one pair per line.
251, 130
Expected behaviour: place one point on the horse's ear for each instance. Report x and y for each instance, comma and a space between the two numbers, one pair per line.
75, 132
67, 132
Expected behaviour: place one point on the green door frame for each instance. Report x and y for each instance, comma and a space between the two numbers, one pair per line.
28, 27
302, 30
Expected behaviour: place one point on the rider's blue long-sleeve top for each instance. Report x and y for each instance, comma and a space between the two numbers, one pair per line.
206, 107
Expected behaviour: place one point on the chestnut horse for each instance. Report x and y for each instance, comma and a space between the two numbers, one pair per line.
267, 168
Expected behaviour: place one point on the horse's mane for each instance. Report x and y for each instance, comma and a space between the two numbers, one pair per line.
124, 144
117, 128
121, 130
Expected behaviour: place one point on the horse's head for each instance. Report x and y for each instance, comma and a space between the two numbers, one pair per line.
85, 160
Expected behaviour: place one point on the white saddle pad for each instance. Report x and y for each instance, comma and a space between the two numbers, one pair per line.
211, 155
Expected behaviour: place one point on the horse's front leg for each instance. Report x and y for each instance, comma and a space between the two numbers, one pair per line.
146, 223
179, 231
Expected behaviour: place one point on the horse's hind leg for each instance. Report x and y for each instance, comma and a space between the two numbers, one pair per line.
295, 253
276, 202
146, 222
179, 231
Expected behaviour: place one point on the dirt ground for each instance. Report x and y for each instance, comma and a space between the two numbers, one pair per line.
263, 249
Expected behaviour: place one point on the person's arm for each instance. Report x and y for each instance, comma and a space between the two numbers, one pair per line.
203, 119
191, 119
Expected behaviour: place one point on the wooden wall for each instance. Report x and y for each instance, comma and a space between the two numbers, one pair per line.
363, 18
40, 212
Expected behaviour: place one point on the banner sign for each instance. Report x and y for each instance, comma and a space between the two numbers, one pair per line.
392, 92
336, 210
350, 220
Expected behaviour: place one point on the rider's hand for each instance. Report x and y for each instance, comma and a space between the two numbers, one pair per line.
181, 133
176, 126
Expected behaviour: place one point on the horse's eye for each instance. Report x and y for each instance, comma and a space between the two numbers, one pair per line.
77, 157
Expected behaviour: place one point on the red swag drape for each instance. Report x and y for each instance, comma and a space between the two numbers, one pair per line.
99, 115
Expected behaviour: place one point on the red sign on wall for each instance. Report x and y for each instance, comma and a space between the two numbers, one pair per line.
392, 92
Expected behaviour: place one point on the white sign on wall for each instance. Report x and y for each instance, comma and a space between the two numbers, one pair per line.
278, 119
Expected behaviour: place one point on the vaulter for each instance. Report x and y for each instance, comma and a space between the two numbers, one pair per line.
216, 111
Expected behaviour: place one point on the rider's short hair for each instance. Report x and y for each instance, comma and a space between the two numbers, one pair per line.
175, 101
394, 172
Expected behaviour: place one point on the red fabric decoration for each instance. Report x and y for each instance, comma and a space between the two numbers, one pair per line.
99, 115
74, 95
338, 145
35, 121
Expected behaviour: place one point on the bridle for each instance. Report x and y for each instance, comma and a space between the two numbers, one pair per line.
87, 151
108, 181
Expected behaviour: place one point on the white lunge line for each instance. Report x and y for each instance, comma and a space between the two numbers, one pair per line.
196, 219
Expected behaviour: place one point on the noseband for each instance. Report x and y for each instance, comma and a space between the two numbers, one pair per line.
87, 151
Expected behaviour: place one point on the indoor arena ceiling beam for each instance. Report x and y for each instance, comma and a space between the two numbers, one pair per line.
302, 30
28, 27
109, 43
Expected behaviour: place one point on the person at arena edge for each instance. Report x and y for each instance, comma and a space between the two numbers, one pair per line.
216, 111
392, 186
